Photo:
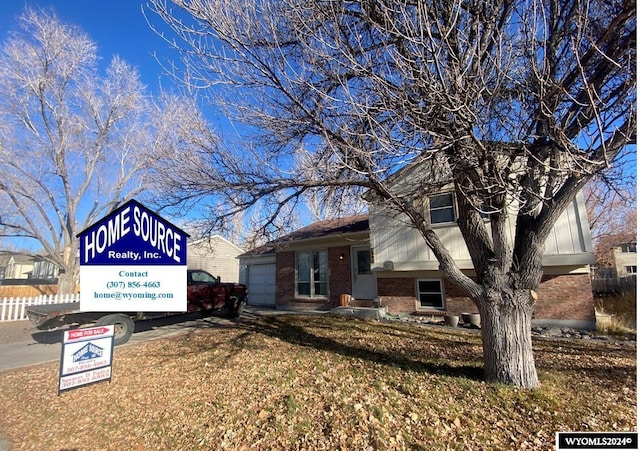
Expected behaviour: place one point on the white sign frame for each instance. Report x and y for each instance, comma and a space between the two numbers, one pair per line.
86, 356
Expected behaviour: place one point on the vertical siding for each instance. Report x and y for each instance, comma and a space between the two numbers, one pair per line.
568, 234
393, 239
217, 256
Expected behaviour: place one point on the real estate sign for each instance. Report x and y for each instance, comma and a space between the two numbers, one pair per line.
86, 356
133, 260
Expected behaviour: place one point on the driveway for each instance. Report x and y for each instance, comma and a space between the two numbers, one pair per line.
23, 345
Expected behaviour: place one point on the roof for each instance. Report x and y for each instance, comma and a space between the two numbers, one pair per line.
329, 227
22, 258
319, 229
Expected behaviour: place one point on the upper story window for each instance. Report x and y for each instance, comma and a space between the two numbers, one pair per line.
441, 208
631, 269
312, 270
628, 248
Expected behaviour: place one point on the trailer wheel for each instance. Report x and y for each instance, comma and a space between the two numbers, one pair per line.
123, 327
241, 304
234, 306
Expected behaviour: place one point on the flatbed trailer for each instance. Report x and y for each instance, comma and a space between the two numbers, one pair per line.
205, 293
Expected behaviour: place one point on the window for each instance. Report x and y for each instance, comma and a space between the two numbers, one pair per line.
202, 278
364, 261
441, 208
484, 211
430, 293
628, 248
631, 269
312, 274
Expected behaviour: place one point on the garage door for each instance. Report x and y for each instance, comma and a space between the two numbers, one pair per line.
261, 284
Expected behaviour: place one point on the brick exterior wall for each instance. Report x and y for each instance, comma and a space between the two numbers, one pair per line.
456, 302
398, 294
339, 279
563, 297
339, 273
566, 296
285, 278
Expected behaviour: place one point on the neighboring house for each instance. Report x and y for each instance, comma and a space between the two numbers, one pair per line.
215, 255
44, 269
4, 261
625, 259
381, 260
22, 266
19, 267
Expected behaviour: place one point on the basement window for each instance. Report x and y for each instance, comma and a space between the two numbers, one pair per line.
430, 293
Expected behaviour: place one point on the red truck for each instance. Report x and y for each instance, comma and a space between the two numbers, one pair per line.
205, 294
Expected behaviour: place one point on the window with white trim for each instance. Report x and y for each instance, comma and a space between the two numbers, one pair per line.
312, 274
430, 293
628, 248
441, 208
631, 269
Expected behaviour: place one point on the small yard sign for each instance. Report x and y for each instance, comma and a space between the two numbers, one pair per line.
86, 356
132, 260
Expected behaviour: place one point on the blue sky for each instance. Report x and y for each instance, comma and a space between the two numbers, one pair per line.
116, 26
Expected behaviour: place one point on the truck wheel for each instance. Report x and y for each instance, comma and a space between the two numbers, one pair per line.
123, 327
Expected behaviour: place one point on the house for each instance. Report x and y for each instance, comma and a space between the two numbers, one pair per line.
408, 279
19, 267
215, 255
4, 261
44, 269
625, 259
380, 259
22, 266
312, 267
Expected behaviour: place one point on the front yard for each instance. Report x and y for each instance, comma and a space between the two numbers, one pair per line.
320, 382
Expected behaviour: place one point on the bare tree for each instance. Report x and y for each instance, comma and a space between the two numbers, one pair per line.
70, 139
515, 103
610, 206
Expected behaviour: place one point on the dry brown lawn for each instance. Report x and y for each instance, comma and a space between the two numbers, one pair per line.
320, 382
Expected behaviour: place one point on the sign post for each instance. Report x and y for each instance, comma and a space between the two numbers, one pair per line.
133, 260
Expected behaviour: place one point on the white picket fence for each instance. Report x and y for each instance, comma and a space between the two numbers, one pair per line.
15, 309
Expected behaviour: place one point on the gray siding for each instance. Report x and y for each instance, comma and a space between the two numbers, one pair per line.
396, 242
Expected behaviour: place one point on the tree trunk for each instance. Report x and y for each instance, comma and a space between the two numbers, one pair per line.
506, 338
67, 280
66, 283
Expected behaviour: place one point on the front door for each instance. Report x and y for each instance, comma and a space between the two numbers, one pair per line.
362, 279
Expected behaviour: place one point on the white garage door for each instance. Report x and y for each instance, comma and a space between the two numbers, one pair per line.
262, 284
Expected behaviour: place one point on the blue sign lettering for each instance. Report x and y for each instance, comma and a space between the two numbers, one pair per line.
106, 234
133, 234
